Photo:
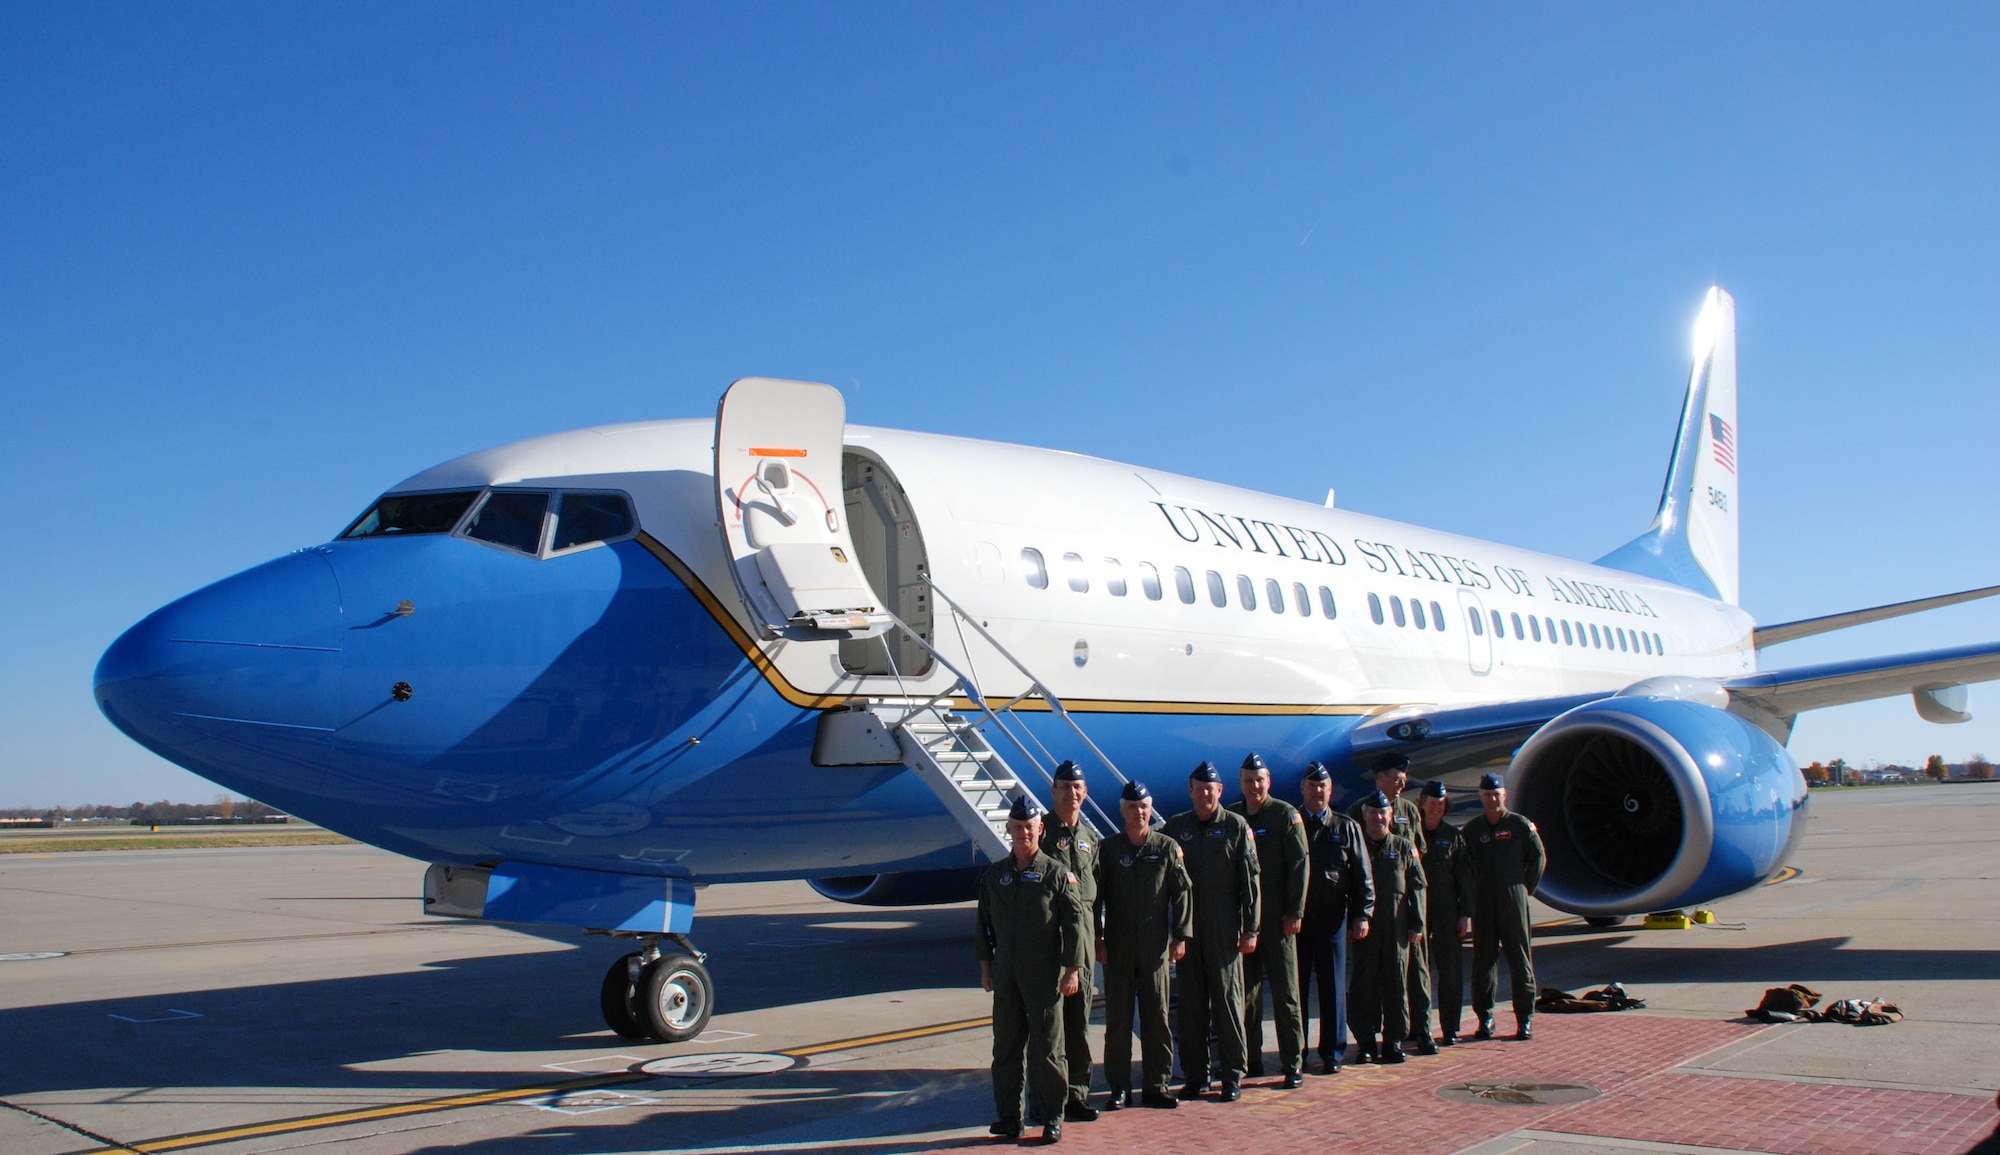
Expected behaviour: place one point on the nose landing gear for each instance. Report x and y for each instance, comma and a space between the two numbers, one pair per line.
659, 995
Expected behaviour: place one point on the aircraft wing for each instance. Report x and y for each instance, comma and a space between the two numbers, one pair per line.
1791, 631
1787, 693
1453, 741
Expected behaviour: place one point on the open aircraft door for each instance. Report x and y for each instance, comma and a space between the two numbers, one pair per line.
779, 499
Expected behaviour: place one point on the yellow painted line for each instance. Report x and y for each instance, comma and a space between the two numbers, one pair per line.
421, 1107
484, 1098
889, 1037
1785, 875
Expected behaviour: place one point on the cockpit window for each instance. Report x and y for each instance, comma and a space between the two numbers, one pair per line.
583, 518
510, 519
402, 514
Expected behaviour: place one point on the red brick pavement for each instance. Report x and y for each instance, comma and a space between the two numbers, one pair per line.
1392, 1110
1783, 1118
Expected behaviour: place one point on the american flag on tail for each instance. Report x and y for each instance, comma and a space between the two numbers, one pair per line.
1725, 442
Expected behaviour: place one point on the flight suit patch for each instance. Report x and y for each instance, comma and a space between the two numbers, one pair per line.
1217, 833
1062, 844
1127, 860
1502, 834
1007, 879
1031, 876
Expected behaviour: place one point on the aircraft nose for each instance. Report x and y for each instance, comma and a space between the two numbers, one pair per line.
232, 674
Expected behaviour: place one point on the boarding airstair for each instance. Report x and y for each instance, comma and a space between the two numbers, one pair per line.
953, 740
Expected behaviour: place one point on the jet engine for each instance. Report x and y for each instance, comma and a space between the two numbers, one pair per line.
1656, 799
911, 888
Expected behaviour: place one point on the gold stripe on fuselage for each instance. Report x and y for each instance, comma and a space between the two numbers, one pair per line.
806, 699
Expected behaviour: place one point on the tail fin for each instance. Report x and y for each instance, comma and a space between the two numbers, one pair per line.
1693, 539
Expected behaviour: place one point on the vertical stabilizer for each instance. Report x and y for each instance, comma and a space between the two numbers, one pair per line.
1693, 538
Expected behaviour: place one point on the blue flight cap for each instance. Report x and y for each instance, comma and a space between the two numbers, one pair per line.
1024, 808
1376, 801
1205, 772
1391, 763
1434, 788
1254, 761
1135, 791
1316, 773
1492, 781
1069, 772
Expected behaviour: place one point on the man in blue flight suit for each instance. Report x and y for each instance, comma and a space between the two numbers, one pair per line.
1340, 899
1032, 946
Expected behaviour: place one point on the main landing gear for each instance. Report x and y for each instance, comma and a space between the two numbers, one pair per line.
660, 995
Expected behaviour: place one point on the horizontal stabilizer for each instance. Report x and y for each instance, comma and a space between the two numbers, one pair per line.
1806, 628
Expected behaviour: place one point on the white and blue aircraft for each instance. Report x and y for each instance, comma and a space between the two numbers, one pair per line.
587, 673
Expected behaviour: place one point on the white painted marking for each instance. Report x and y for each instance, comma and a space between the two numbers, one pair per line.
591, 1102
721, 1036
796, 943
722, 1064
174, 1014
32, 955
595, 1063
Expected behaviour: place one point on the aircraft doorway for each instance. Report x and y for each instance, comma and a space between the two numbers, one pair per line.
1479, 644
890, 547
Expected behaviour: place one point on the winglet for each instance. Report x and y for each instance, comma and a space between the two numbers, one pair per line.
1693, 538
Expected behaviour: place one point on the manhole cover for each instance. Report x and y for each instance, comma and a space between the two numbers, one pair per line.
1518, 1093
719, 1065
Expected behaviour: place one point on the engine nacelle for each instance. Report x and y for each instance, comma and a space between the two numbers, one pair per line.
1656, 803
912, 888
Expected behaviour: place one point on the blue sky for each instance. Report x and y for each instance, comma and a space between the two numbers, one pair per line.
258, 262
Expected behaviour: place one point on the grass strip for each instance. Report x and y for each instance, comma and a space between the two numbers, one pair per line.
59, 845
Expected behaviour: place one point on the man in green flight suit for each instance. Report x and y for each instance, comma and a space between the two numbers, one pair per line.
1392, 777
1377, 996
1068, 838
1507, 863
1032, 948
1447, 920
1221, 857
1281, 855
1143, 890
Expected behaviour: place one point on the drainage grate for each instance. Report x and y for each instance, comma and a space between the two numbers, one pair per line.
1518, 1093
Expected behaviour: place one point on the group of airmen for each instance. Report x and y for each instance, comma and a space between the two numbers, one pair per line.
1369, 907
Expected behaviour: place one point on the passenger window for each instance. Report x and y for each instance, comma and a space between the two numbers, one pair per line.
510, 520
1499, 627
1534, 629
1073, 571
1114, 577
1375, 608
584, 518
1437, 617
1595, 639
1326, 604
1274, 595
1659, 647
1520, 635
1034, 569
1646, 643
1217, 592
1416, 613
1246, 592
1396, 611
1301, 600
1149, 581
1184, 585
1551, 623
1478, 622
1567, 640
403, 514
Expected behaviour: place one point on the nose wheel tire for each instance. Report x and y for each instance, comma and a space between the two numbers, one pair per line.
674, 998
618, 1002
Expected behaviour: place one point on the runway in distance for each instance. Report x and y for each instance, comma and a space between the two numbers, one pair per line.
585, 673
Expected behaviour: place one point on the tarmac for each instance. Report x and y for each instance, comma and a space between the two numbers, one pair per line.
284, 998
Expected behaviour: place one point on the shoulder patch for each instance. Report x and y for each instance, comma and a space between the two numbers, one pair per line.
1071, 875
1298, 819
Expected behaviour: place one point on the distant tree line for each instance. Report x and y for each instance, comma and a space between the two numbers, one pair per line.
151, 813
1839, 773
